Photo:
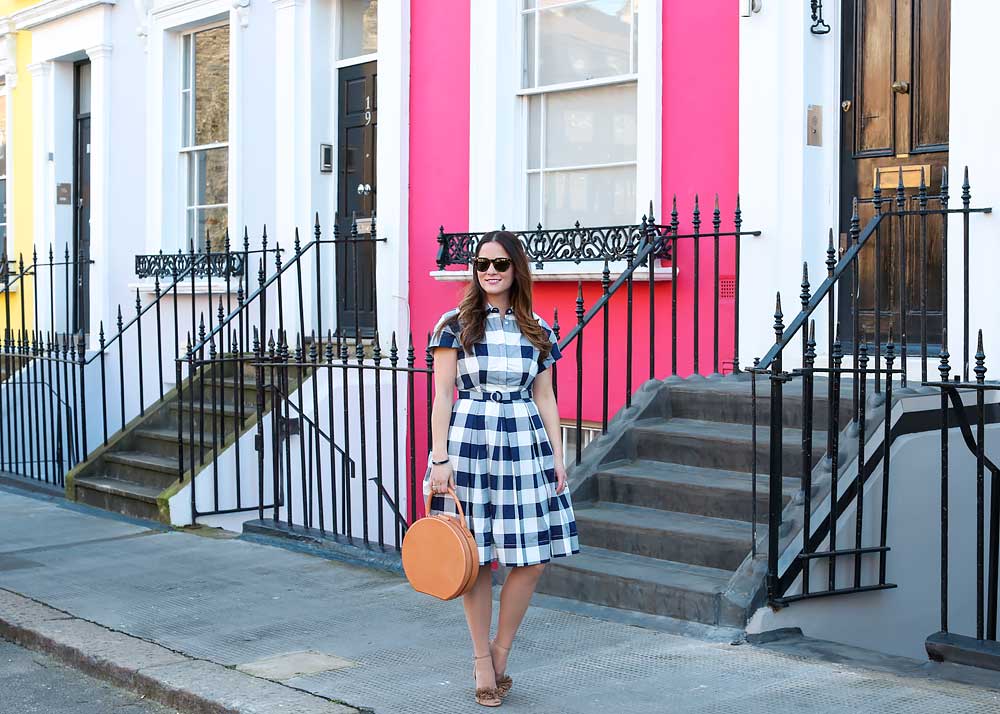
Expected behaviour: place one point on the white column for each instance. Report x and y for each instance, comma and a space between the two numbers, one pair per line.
237, 117
649, 122
494, 118
291, 124
393, 167
100, 171
41, 120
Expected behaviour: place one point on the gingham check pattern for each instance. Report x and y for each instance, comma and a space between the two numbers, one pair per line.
500, 453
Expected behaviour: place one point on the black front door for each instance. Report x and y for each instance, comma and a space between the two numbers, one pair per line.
356, 200
81, 202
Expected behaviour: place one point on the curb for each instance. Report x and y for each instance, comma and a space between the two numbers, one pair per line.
187, 684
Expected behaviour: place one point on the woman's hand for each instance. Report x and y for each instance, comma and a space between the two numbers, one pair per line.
560, 477
442, 478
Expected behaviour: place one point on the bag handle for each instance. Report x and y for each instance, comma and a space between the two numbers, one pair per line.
458, 504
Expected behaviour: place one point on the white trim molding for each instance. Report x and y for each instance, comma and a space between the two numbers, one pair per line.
50, 10
8, 53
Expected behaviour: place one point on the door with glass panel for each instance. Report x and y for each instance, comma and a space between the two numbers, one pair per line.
81, 203
579, 71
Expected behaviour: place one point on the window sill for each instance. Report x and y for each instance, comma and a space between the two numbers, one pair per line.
148, 287
577, 273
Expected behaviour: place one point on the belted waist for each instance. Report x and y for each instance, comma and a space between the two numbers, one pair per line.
494, 395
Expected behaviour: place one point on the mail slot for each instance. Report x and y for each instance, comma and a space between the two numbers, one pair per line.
888, 176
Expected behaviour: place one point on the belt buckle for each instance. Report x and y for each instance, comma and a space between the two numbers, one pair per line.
496, 396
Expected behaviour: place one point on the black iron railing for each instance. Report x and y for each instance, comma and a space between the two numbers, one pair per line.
349, 470
877, 345
560, 245
954, 412
290, 298
51, 374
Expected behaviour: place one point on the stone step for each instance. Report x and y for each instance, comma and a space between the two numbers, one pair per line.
719, 445
687, 489
666, 535
730, 400
143, 468
121, 496
636, 582
162, 440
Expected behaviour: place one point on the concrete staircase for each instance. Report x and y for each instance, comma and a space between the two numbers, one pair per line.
664, 501
137, 471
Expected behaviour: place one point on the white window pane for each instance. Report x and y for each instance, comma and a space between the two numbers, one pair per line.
358, 27
528, 65
84, 80
596, 197
211, 86
208, 177
186, 122
590, 126
208, 224
534, 200
534, 131
586, 41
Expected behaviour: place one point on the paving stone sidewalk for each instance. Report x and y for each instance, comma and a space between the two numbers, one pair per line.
366, 639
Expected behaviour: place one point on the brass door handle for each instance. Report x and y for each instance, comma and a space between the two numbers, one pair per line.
845, 105
901, 87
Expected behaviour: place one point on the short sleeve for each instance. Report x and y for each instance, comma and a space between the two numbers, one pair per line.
555, 353
446, 331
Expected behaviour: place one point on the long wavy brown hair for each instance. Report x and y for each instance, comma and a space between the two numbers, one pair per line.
472, 309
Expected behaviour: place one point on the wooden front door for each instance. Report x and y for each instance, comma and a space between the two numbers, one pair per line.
356, 200
895, 115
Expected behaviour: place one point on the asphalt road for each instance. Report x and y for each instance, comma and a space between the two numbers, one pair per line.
33, 683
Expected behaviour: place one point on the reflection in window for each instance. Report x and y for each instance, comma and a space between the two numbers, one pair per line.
205, 140
358, 27
579, 65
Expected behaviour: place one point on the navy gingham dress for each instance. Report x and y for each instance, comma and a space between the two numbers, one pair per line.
501, 456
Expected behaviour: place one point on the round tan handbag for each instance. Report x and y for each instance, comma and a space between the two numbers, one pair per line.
440, 556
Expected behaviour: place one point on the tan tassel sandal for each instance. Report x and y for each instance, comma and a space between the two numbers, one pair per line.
486, 696
504, 680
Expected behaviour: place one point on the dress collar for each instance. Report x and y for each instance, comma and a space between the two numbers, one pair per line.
491, 310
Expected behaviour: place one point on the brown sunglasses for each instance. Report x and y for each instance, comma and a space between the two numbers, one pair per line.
502, 265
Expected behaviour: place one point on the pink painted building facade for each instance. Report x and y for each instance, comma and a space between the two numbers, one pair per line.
588, 111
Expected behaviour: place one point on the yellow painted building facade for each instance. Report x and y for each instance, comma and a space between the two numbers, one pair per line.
16, 168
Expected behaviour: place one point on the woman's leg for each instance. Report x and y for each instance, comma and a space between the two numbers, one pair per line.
479, 613
514, 598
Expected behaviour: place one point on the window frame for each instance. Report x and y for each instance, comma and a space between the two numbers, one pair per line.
188, 114
525, 95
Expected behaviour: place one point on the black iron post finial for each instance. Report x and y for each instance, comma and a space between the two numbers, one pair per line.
779, 325
855, 229
943, 367
831, 256
810, 353
805, 294
980, 368
877, 193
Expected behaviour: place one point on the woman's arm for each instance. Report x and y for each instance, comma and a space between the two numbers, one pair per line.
445, 368
545, 400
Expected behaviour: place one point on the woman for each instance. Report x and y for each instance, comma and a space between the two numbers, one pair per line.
499, 446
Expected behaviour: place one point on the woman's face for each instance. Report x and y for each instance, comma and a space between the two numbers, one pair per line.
492, 281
